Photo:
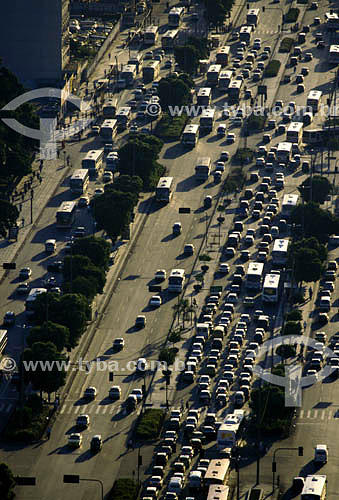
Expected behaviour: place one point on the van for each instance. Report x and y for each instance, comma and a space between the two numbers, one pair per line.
50, 246
321, 453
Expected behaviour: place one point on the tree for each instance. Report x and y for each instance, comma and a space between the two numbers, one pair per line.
215, 12
307, 265
286, 351
127, 184
294, 315
175, 90
315, 221
7, 482
8, 217
268, 404
315, 188
49, 372
74, 311
292, 328
187, 56
49, 332
81, 285
96, 249
201, 44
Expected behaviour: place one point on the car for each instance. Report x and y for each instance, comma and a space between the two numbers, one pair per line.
118, 344
107, 176
323, 318
220, 166
115, 392
189, 249
133, 131
25, 273
168, 64
9, 318
90, 393
80, 232
230, 138
148, 55
82, 421
224, 268
160, 275
99, 191
96, 443
75, 440
224, 156
230, 252
157, 57
176, 228
23, 289
55, 266
138, 393
83, 202
140, 321
221, 131
155, 301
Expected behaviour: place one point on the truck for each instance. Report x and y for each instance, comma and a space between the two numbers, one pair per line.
228, 432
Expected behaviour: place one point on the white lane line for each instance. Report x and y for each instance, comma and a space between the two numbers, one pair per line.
98, 410
308, 414
76, 409
104, 409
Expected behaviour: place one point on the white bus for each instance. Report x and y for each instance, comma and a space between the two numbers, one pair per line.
3, 340
245, 34
289, 203
163, 192
206, 121
151, 71
204, 96
109, 108
331, 21
284, 152
270, 291
314, 488
252, 16
123, 117
93, 161
129, 73
175, 16
223, 55
66, 214
314, 99
108, 131
79, 181
254, 275
218, 492
213, 73
225, 78
280, 252
33, 294
176, 280
333, 54
203, 168
294, 132
234, 89
169, 39
151, 35
190, 135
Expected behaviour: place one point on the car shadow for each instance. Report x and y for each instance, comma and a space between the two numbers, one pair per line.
87, 455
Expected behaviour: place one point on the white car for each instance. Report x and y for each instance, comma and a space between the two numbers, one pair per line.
160, 275
230, 137
224, 268
155, 301
99, 191
25, 273
90, 393
257, 43
115, 392
220, 166
138, 393
75, 440
118, 344
224, 156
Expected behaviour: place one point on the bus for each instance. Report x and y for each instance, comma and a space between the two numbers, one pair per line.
66, 214
109, 108
314, 100
108, 131
93, 161
163, 192
79, 181
254, 276
151, 35
223, 55
213, 75
280, 252
252, 16
284, 152
33, 294
175, 16
218, 492
331, 21
314, 488
123, 117
289, 203
270, 290
245, 34
151, 71
3, 340
294, 132
169, 39
129, 73
176, 280
217, 472
333, 54
204, 96
190, 135
203, 168
225, 78
234, 89
206, 121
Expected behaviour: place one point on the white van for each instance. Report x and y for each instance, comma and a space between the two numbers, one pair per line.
321, 453
50, 246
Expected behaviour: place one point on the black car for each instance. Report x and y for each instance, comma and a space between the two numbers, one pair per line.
55, 266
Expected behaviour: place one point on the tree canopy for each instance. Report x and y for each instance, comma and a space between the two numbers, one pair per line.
315, 221
315, 188
307, 257
49, 332
7, 482
8, 216
96, 249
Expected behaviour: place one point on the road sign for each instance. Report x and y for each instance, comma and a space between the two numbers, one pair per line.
184, 210
9, 265
215, 289
25, 481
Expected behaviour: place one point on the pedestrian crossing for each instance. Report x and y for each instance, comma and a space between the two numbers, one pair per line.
320, 415
90, 409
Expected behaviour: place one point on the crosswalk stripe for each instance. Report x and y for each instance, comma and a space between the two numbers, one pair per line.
98, 410
104, 409
69, 410
301, 413
63, 409
315, 413
322, 415
308, 414
76, 409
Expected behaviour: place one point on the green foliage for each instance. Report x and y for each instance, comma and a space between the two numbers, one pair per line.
48, 380
215, 12
292, 15
29, 424
187, 56
171, 127
286, 351
96, 249
316, 221
292, 328
315, 188
81, 285
49, 332
168, 355
149, 425
124, 489
294, 315
7, 482
175, 90
244, 154
255, 123
272, 69
268, 405
307, 257
175, 337
113, 211
205, 257
333, 143
286, 44
8, 217
126, 184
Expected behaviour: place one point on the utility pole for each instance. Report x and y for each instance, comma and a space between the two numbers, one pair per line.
32, 195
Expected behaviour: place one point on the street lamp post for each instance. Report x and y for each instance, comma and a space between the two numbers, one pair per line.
300, 450
75, 479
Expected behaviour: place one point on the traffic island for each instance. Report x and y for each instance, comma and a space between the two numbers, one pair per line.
149, 425
124, 489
